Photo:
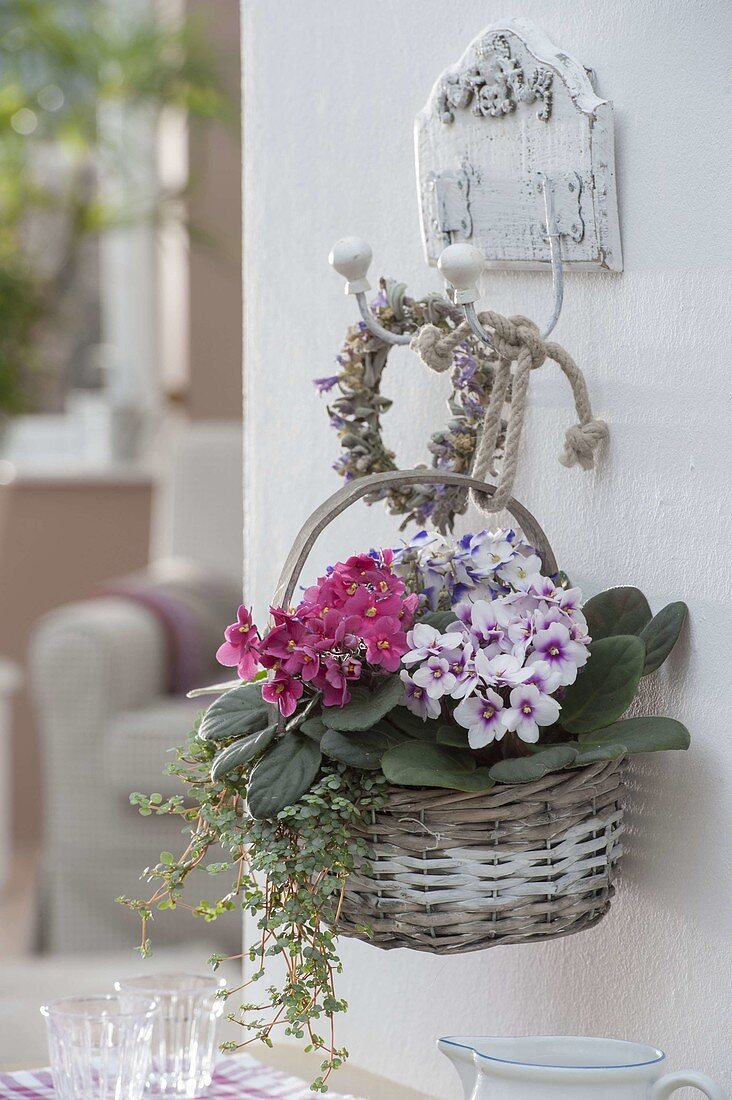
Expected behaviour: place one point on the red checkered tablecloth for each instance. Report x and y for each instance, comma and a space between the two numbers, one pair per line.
236, 1078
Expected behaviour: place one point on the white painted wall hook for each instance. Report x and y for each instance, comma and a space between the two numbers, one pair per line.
515, 169
351, 258
462, 265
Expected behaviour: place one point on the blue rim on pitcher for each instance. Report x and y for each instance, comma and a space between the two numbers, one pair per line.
452, 1041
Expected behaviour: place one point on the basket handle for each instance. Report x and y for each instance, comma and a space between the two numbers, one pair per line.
354, 490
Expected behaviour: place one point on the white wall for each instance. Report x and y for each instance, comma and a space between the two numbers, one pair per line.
331, 91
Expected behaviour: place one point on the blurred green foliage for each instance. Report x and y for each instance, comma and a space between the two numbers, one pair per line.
61, 61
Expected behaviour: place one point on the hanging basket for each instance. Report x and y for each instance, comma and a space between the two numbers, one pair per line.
449, 872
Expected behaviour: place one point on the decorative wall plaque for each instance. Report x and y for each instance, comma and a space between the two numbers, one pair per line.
512, 108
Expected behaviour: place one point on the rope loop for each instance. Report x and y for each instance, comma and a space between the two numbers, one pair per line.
516, 340
435, 347
513, 336
581, 442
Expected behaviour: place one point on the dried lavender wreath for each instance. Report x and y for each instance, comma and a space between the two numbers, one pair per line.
356, 413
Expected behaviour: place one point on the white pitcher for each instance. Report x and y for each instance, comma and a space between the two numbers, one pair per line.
565, 1068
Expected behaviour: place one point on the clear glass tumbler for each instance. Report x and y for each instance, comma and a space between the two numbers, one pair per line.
184, 1038
100, 1047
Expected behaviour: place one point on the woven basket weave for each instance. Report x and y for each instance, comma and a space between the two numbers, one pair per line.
450, 872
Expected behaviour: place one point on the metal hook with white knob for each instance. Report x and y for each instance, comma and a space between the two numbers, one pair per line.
351, 257
461, 265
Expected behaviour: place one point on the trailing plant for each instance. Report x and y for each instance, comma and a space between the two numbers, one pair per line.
287, 871
441, 664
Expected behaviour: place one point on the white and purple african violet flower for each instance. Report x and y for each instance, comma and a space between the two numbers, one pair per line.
435, 677
425, 642
500, 670
542, 675
555, 647
417, 700
529, 710
519, 568
517, 638
483, 716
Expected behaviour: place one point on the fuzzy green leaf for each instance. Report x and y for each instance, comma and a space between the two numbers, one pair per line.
524, 769
213, 689
366, 707
605, 687
591, 754
361, 749
241, 710
283, 775
661, 634
412, 725
421, 765
621, 610
314, 728
453, 735
241, 752
440, 620
650, 734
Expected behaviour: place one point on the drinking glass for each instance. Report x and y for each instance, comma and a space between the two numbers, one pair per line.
100, 1046
184, 1039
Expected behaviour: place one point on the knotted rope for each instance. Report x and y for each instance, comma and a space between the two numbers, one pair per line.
516, 340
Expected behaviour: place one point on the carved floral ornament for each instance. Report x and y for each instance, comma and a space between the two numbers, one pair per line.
495, 85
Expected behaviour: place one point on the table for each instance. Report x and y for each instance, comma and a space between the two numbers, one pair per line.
236, 1078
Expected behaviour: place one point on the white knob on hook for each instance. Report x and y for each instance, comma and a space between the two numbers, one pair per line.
461, 265
351, 257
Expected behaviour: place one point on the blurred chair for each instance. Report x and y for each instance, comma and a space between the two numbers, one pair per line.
10, 679
106, 716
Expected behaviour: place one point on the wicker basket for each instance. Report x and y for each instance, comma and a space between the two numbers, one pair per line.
449, 872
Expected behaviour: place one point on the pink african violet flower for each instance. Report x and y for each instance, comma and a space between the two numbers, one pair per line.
385, 643
282, 617
240, 647
304, 661
358, 612
370, 605
338, 630
334, 677
284, 691
410, 605
282, 640
358, 569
